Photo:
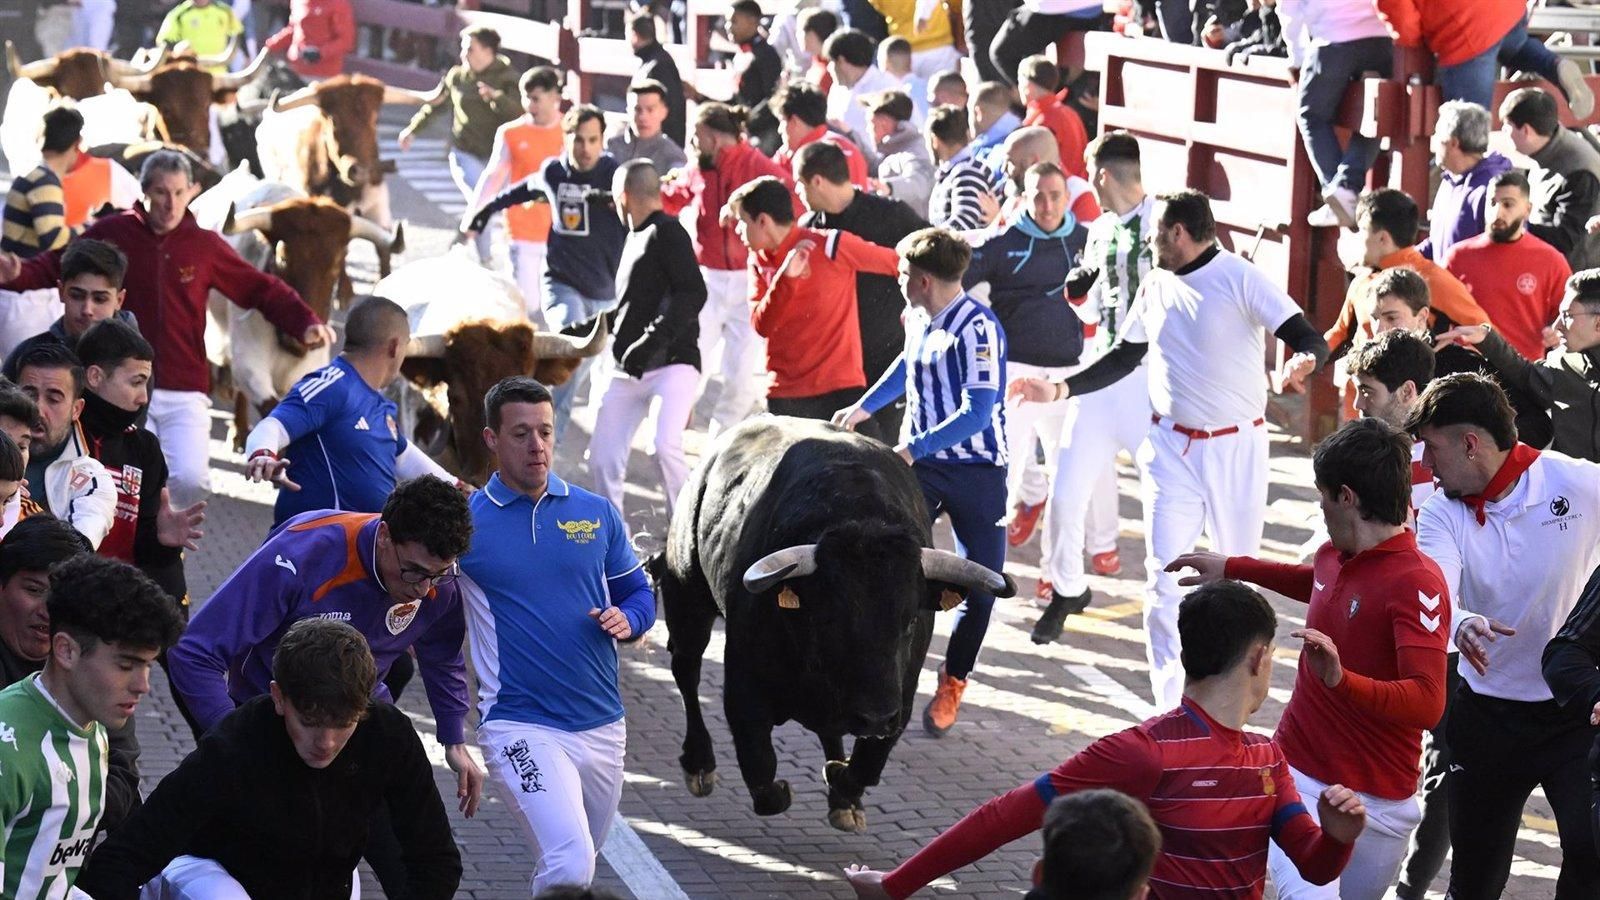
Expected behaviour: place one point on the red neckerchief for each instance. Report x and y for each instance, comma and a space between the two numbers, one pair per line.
1517, 462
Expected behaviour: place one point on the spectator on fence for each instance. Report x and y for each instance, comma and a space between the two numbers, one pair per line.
851, 61
317, 37
905, 168
1030, 29
656, 64
962, 186
642, 136
1565, 176
1466, 165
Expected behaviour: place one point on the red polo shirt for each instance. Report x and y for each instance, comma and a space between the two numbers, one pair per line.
1518, 284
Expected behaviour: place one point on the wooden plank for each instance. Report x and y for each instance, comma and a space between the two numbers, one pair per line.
541, 39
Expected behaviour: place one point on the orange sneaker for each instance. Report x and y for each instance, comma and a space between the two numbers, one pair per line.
1023, 518
1108, 563
940, 714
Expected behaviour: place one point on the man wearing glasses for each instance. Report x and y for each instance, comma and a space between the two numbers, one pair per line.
1567, 381
390, 575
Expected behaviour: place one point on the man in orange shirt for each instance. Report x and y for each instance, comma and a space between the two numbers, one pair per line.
521, 148
803, 296
1039, 79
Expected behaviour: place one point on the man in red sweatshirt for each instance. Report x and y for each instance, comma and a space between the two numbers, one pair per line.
1372, 666
317, 37
173, 265
803, 291
1216, 791
1039, 79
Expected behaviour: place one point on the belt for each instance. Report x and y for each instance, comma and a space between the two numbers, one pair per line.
1199, 434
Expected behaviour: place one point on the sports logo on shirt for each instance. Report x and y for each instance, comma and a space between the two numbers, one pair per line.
1268, 786
1561, 510
1527, 284
361, 424
1355, 605
394, 430
8, 735
284, 563
1560, 506
1430, 604
400, 616
579, 531
132, 479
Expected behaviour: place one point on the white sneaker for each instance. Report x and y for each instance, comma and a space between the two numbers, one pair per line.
1341, 204
1323, 217
1579, 98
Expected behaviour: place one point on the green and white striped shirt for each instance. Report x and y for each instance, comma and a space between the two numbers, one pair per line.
1119, 247
52, 792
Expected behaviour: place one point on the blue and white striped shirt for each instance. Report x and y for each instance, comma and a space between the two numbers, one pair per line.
962, 347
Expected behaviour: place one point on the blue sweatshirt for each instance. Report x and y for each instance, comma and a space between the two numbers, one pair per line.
1457, 212
586, 235
1026, 270
319, 564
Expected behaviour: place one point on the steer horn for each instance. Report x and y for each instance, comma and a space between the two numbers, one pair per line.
257, 218
121, 68
34, 71
942, 565
790, 562
565, 346
404, 97
430, 346
306, 96
237, 80
365, 229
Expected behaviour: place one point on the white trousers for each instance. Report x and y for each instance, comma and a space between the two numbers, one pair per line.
91, 24
1083, 495
25, 314
928, 63
1217, 485
527, 265
566, 787
1374, 864
198, 878
1027, 425
626, 403
182, 420
725, 321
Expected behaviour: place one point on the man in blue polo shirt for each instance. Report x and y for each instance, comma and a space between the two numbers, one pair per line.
550, 585
333, 443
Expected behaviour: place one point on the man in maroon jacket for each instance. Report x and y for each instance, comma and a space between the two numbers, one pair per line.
173, 265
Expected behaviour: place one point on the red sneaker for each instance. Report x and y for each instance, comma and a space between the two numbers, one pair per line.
1023, 518
1107, 563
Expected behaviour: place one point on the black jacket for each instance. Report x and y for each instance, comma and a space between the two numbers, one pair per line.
133, 458
1566, 384
660, 291
656, 64
55, 334
1572, 664
284, 830
882, 221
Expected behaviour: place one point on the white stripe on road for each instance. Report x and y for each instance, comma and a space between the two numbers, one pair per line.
638, 868
1100, 684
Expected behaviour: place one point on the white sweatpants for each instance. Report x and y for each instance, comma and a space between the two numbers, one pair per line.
565, 785
725, 320
25, 314
182, 420
527, 265
1374, 864
1217, 485
198, 878
626, 403
1083, 495
1029, 424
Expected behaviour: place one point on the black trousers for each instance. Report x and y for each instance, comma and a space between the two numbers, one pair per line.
1503, 749
1431, 841
983, 19
821, 406
1025, 33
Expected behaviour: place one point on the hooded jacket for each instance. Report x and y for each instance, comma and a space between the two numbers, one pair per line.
79, 491
1457, 212
1026, 269
716, 247
905, 167
133, 460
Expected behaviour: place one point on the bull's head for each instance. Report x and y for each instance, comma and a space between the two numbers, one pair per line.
78, 73
309, 238
183, 90
474, 357
855, 608
350, 105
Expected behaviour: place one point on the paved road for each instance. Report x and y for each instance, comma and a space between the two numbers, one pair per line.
1027, 708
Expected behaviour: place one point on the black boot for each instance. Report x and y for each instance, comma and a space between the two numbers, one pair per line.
1055, 616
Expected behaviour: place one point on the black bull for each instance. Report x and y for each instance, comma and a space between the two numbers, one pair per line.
832, 637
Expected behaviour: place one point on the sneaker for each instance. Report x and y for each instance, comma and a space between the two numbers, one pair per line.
1338, 210
1042, 593
1023, 518
1108, 563
1055, 618
940, 715
1579, 98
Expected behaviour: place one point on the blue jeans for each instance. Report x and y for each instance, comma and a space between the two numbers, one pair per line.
974, 496
466, 169
1327, 73
1474, 79
562, 307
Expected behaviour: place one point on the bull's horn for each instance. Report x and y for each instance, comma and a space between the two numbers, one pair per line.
426, 347
942, 565
239, 79
790, 562
134, 84
404, 97
362, 228
306, 96
40, 68
568, 346
144, 62
258, 218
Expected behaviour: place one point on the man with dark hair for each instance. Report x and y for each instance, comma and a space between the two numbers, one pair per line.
91, 290
18, 417
1565, 177
67, 481
1511, 530
852, 61
1205, 454
822, 179
1181, 766
1039, 83
147, 531
552, 584
905, 166
642, 137
954, 432
35, 220
803, 296
802, 112
13, 472
1390, 372
1515, 276
657, 65
1371, 678
107, 624
960, 182
333, 442
1099, 844
277, 799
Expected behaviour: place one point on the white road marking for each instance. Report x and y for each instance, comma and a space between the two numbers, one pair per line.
638, 868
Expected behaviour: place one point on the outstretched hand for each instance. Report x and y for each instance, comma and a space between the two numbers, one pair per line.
1207, 566
180, 527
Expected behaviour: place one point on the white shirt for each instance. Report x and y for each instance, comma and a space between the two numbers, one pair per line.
1525, 566
844, 103
1207, 335
1311, 23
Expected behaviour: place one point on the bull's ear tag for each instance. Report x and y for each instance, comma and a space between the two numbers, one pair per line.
949, 600
788, 599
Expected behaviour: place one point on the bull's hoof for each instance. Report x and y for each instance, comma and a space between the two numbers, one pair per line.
852, 819
844, 797
701, 783
772, 799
